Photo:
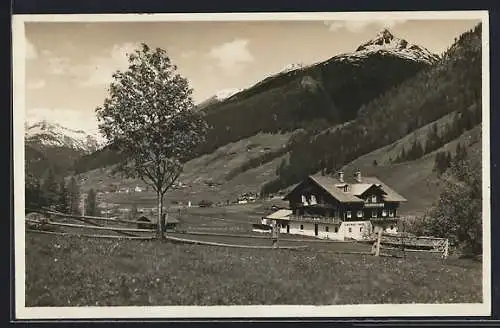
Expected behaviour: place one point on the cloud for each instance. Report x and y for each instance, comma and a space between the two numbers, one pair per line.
30, 50
358, 25
101, 68
231, 56
70, 118
58, 65
188, 54
36, 84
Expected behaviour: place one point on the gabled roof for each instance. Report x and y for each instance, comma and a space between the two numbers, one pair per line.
279, 214
329, 185
333, 187
390, 194
358, 189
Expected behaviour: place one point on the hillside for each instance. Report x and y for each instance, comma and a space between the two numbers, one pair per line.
452, 85
313, 97
444, 98
323, 94
416, 180
206, 177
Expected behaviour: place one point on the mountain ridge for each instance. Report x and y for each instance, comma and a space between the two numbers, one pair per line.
50, 134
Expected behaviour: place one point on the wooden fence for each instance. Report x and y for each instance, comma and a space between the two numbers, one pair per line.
49, 218
121, 227
410, 243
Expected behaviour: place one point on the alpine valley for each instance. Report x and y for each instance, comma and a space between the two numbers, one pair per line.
372, 109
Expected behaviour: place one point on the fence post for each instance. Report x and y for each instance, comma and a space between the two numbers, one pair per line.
445, 251
379, 237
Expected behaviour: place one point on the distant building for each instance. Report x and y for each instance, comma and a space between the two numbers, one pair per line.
151, 222
334, 208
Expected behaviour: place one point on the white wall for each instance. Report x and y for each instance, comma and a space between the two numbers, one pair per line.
308, 230
359, 229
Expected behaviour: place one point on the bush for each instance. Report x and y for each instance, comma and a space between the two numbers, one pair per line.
205, 203
458, 213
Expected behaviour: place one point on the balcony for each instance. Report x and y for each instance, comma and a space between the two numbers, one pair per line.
315, 219
374, 205
385, 219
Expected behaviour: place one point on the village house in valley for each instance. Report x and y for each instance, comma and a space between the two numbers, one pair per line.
339, 208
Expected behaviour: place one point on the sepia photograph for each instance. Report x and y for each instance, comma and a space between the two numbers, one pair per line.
251, 165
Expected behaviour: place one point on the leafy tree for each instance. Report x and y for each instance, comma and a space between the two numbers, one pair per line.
63, 199
50, 189
33, 193
433, 139
91, 203
460, 152
73, 196
149, 118
458, 213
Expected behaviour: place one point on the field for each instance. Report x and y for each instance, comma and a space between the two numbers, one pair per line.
77, 271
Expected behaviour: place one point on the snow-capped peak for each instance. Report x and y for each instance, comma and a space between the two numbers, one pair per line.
386, 41
226, 93
54, 134
291, 67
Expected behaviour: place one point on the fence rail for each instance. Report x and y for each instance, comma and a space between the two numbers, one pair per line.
410, 243
71, 225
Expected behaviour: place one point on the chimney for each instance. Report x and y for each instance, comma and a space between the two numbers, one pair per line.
341, 176
357, 176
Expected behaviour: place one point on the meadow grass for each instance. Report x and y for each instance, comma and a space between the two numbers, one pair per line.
78, 271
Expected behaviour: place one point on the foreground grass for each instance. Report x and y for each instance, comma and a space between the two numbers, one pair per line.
72, 271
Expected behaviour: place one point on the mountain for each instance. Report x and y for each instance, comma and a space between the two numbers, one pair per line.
50, 145
386, 42
314, 97
446, 94
55, 135
218, 97
319, 95
451, 85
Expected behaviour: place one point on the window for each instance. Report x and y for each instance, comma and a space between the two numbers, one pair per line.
391, 213
360, 229
336, 229
304, 200
327, 229
345, 188
360, 214
374, 213
374, 199
313, 200
384, 212
301, 227
348, 214
350, 230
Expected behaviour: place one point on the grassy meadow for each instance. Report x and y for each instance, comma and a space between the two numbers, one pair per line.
78, 271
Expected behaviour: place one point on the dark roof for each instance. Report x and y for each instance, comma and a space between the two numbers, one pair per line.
154, 218
331, 185
390, 194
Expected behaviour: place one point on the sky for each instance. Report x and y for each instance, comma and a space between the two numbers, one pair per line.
69, 64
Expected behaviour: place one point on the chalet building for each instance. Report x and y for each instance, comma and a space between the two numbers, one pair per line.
335, 208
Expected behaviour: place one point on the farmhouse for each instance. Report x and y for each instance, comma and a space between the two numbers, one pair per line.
334, 208
150, 222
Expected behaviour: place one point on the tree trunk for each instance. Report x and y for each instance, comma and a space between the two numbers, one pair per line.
159, 232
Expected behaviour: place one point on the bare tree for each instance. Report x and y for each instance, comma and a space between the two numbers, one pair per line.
150, 119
